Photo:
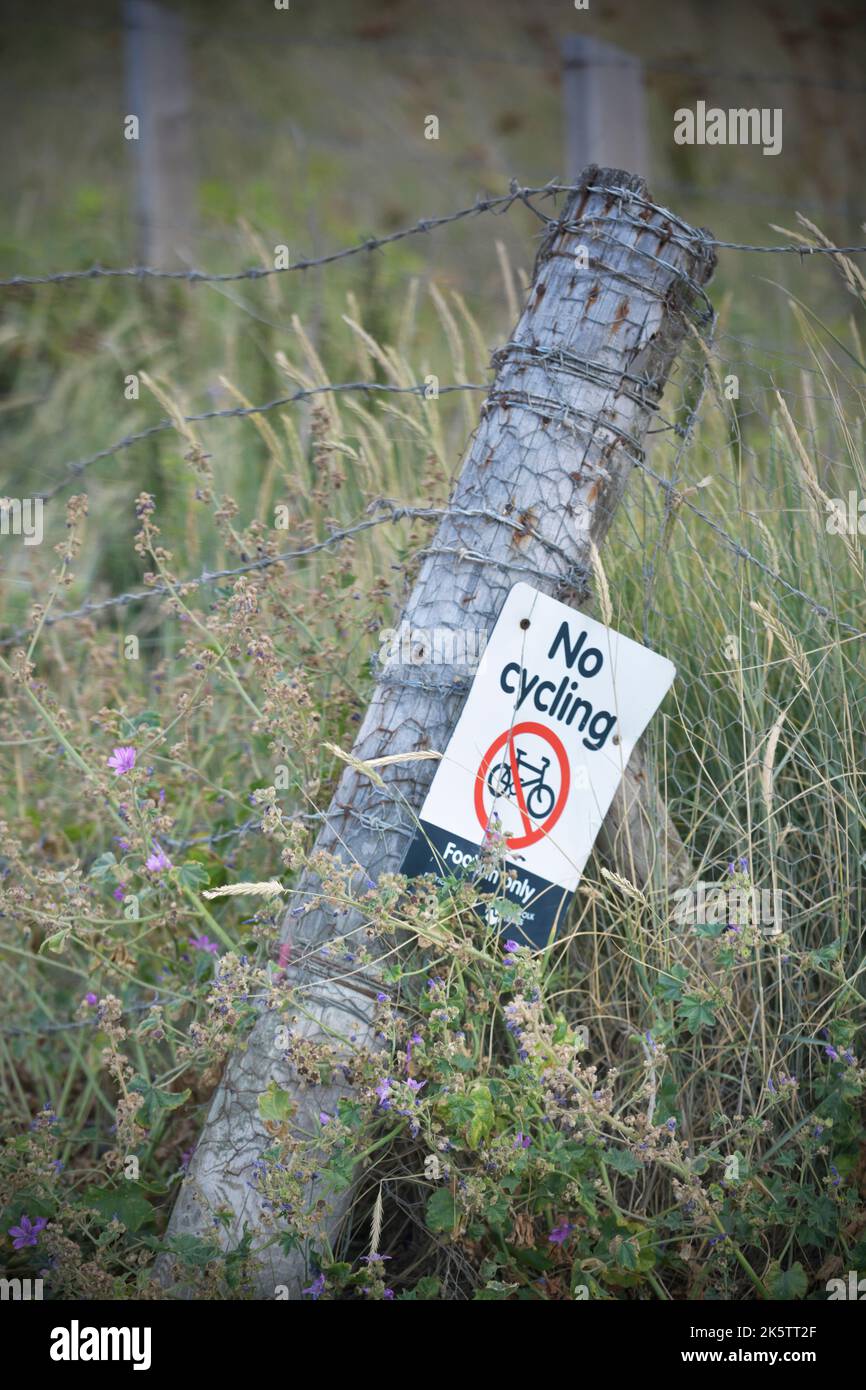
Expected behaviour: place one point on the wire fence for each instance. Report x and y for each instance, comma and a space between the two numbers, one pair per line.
747, 454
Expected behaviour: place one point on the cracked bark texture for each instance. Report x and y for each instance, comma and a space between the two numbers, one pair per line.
559, 434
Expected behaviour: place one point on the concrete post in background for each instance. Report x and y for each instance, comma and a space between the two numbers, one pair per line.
158, 93
604, 107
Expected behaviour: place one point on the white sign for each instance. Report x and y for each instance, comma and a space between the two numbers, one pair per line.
556, 707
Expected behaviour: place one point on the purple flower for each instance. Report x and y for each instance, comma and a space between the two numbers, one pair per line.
522, 1141
831, 1053
122, 760
157, 860
559, 1235
388, 1293
382, 998
27, 1233
316, 1288
414, 1085
203, 943
119, 893
324, 1117
744, 865
511, 946
383, 1090
91, 999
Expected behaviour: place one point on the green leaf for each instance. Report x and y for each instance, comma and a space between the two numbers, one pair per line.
193, 875
696, 1013
441, 1211
622, 1161
791, 1283
156, 1099
670, 982
276, 1104
426, 1290
483, 1116
191, 1250
103, 867
56, 942
129, 1206
340, 1171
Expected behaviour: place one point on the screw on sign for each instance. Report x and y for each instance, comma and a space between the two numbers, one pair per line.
536, 790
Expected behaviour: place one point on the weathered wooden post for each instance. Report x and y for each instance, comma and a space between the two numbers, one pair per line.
563, 424
603, 106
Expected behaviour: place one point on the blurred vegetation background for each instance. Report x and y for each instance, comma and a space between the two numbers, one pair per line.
307, 129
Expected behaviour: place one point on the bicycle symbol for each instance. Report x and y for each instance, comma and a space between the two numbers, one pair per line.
539, 796
506, 771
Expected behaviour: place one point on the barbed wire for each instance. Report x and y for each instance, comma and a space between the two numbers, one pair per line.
497, 205
679, 232
75, 468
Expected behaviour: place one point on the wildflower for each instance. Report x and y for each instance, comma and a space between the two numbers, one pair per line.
744, 865
414, 1085
522, 1141
157, 860
91, 999
381, 998
383, 1090
119, 893
831, 1053
122, 760
388, 1293
324, 1117
559, 1235
511, 946
203, 943
671, 1125
415, 1038
316, 1289
27, 1233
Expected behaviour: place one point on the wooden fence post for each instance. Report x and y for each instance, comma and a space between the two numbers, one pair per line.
603, 107
573, 396
157, 91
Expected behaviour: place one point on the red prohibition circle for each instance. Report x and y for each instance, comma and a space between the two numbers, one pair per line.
531, 837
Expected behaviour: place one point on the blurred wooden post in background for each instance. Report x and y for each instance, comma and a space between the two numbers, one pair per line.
158, 93
604, 107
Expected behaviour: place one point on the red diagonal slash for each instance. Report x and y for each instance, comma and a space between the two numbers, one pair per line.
515, 777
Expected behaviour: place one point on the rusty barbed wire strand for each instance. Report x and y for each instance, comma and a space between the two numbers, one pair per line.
497, 205
79, 466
